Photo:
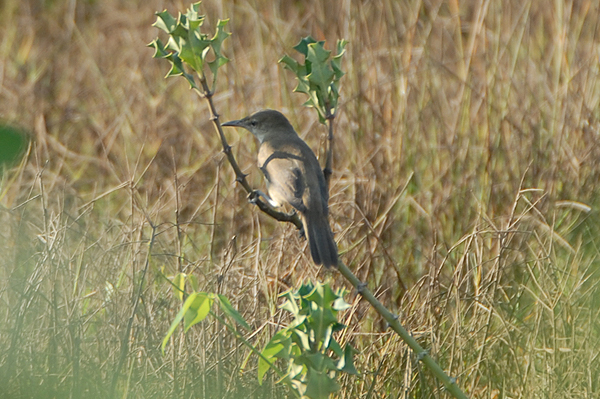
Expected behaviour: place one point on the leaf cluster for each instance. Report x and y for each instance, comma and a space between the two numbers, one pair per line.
313, 355
319, 76
188, 45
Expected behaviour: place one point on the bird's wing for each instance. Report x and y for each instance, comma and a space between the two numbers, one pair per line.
285, 178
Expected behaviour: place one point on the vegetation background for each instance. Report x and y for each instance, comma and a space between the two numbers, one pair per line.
465, 192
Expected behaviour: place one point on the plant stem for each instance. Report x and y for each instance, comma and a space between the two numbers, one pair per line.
422, 354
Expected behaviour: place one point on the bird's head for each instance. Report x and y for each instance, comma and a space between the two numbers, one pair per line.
263, 124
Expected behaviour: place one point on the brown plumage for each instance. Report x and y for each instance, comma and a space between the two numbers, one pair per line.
294, 176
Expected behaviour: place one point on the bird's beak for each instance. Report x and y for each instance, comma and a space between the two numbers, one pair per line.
237, 123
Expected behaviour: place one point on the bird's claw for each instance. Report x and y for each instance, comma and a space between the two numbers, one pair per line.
253, 197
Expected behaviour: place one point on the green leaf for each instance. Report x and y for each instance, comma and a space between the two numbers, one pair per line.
177, 69
196, 6
317, 58
159, 49
335, 348
289, 63
323, 295
315, 295
312, 360
189, 45
336, 61
193, 282
190, 51
319, 75
304, 87
302, 47
319, 385
181, 29
226, 307
182, 312
346, 363
290, 304
320, 321
340, 304
193, 16
294, 370
197, 310
277, 347
214, 68
179, 285
317, 54
301, 339
264, 366
165, 21
219, 37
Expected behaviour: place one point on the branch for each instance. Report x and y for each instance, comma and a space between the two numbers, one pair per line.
422, 354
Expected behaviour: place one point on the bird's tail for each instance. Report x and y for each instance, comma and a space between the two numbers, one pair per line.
320, 241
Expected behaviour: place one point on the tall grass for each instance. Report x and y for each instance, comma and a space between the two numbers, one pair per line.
465, 193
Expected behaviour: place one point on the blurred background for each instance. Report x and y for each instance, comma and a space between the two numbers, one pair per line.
465, 193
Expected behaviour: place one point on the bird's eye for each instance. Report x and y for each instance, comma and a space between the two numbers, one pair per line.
253, 123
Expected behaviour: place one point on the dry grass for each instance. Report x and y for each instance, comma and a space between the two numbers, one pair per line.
487, 112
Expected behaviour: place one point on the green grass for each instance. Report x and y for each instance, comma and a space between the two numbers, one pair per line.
466, 142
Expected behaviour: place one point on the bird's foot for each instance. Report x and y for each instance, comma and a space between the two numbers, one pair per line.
253, 197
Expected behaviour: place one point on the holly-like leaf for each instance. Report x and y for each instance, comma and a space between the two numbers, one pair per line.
290, 304
193, 16
319, 75
178, 69
323, 295
319, 385
216, 42
314, 360
302, 47
165, 21
176, 65
159, 49
335, 348
187, 46
196, 7
289, 63
320, 321
346, 363
340, 304
301, 339
336, 61
219, 37
317, 54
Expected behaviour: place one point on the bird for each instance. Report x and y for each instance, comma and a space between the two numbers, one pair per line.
294, 176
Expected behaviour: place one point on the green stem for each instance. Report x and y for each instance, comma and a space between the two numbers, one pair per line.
422, 354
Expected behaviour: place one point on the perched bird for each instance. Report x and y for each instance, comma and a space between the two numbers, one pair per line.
293, 176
